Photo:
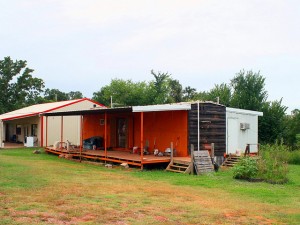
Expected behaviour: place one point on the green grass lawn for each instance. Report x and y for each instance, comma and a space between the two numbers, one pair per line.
44, 189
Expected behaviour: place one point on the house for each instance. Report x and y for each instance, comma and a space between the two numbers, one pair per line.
28, 124
146, 129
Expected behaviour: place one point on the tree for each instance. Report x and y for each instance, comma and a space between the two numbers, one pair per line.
54, 95
189, 93
124, 93
293, 129
272, 126
75, 95
176, 93
248, 90
161, 87
18, 88
223, 92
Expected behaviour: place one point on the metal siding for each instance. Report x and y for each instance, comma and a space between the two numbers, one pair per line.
83, 105
238, 139
71, 129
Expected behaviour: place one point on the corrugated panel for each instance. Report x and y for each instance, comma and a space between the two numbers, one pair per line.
165, 107
244, 111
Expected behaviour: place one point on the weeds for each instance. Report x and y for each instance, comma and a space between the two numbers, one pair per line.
246, 168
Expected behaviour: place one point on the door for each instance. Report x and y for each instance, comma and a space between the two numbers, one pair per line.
122, 130
232, 135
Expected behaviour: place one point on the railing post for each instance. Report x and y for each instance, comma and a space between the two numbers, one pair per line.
172, 154
192, 159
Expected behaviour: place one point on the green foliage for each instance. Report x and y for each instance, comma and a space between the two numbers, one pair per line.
246, 168
223, 92
272, 124
294, 157
161, 87
176, 92
53, 95
272, 164
124, 93
248, 90
293, 129
18, 88
189, 93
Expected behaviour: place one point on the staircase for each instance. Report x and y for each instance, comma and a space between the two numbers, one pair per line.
179, 166
202, 162
231, 161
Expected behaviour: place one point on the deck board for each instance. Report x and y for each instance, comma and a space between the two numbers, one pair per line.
116, 156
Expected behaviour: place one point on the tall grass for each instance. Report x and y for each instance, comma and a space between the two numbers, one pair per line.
294, 157
272, 164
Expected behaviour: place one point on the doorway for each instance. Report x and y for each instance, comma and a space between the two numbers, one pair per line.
122, 132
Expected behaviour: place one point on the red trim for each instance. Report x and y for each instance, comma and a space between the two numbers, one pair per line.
21, 117
91, 100
42, 131
72, 103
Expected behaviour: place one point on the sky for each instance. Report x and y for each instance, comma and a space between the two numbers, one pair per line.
76, 45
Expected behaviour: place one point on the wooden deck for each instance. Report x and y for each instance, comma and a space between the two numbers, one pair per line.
115, 156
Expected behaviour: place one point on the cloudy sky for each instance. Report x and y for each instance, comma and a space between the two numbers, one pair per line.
76, 45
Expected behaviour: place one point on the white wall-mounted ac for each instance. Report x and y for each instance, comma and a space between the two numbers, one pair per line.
244, 126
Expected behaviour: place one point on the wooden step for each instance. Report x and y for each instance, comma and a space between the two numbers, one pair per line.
231, 161
179, 166
176, 171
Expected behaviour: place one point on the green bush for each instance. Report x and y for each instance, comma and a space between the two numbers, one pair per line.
246, 168
272, 164
294, 157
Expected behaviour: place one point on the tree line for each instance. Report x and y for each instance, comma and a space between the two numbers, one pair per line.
246, 90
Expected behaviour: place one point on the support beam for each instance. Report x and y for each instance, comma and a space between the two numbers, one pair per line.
61, 132
46, 131
81, 135
105, 134
142, 139
42, 130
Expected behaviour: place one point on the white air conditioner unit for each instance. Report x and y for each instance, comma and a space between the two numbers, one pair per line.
244, 126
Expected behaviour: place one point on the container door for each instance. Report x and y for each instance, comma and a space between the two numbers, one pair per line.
122, 130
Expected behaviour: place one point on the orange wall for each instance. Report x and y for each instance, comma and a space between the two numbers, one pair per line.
163, 128
92, 127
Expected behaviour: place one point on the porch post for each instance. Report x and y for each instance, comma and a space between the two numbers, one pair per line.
42, 131
142, 139
105, 134
1, 134
46, 131
81, 134
61, 132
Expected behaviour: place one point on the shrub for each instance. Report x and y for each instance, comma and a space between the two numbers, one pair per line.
294, 157
246, 168
272, 164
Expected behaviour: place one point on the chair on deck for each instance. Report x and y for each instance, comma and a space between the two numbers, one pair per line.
70, 147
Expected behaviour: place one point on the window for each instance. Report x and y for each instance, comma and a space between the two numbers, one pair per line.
18, 129
33, 129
